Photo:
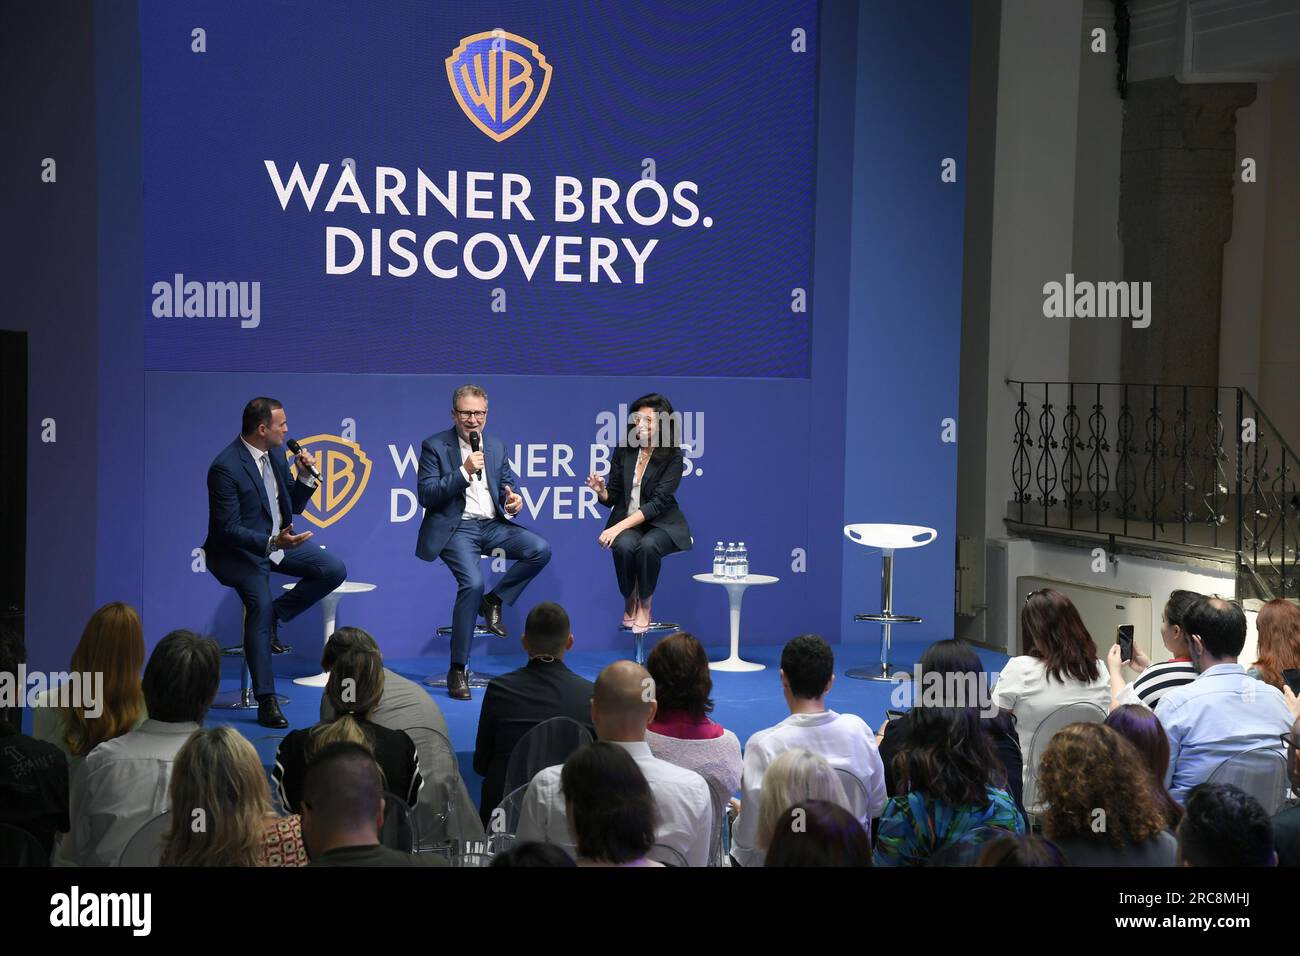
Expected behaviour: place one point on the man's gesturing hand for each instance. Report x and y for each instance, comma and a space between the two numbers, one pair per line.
513, 502
287, 540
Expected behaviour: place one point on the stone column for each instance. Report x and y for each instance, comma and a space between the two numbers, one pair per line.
1177, 171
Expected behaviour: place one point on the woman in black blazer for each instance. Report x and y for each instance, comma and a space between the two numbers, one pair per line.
645, 523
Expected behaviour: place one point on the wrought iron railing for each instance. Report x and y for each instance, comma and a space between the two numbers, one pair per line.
1188, 465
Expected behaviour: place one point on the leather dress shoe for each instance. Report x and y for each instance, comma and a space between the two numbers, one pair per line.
492, 617
268, 713
276, 646
457, 684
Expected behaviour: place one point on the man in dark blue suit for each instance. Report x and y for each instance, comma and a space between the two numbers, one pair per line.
470, 501
252, 499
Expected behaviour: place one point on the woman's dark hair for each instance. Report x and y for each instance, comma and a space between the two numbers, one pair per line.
1016, 850
1140, 726
1054, 633
613, 810
665, 437
679, 667
830, 836
181, 678
532, 853
948, 757
1179, 603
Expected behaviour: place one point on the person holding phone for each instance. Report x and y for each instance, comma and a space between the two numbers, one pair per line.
1154, 680
645, 524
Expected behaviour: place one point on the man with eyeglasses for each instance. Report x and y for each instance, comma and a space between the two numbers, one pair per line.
1224, 712
468, 491
1286, 822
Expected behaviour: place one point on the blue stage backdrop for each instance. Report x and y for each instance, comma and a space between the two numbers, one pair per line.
355, 207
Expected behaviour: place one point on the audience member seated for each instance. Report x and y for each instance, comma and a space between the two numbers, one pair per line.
620, 710
845, 740
610, 809
792, 779
682, 732
1224, 826
951, 784
1100, 808
1140, 727
1155, 680
218, 781
532, 853
125, 781
516, 702
404, 705
1020, 850
343, 810
828, 835
1286, 822
356, 685
33, 773
1223, 712
112, 644
1277, 627
959, 666
1059, 667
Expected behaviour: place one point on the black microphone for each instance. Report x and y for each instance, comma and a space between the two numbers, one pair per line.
297, 450
473, 446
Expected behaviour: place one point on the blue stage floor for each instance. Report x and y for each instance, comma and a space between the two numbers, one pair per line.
743, 703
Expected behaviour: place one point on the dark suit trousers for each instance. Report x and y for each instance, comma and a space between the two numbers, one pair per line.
637, 555
319, 572
468, 542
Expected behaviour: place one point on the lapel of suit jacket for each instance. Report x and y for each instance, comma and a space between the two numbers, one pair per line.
629, 471
491, 474
253, 472
454, 458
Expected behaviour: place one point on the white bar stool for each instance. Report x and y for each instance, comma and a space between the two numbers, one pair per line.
888, 538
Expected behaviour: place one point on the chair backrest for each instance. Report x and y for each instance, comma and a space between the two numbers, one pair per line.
20, 848
856, 791
399, 830
1080, 712
720, 832
1261, 773
663, 853
504, 822
145, 846
546, 745
441, 773
271, 742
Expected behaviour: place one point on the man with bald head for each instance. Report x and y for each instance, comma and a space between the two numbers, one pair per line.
1224, 712
622, 703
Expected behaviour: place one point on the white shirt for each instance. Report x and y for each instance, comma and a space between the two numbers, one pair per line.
1222, 713
478, 498
683, 807
1024, 688
844, 740
122, 787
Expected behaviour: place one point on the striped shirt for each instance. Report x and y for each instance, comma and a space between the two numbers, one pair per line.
1158, 680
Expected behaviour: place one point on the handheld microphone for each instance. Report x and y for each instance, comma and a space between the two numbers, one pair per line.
473, 446
297, 450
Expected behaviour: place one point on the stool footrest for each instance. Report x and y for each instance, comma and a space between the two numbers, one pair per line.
888, 618
479, 631
652, 626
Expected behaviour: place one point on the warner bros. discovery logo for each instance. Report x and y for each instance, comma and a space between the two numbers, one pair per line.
500, 80
344, 471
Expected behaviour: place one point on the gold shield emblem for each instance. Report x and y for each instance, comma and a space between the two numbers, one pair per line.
500, 80
344, 470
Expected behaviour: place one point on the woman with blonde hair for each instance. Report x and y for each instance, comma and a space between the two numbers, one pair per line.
1278, 627
355, 687
794, 777
218, 780
112, 644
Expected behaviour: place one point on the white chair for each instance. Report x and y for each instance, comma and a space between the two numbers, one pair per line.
145, 846
888, 538
1260, 773
1080, 712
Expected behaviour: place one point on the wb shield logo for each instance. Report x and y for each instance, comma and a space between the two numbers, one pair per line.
500, 80
344, 470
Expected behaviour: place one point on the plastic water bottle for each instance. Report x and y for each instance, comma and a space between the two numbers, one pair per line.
720, 560
742, 561
731, 566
